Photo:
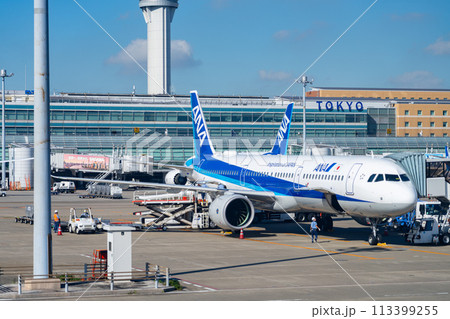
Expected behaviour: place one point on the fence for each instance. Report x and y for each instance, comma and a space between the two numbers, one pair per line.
92, 274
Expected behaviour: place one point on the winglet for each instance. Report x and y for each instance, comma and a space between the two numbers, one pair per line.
281, 142
202, 142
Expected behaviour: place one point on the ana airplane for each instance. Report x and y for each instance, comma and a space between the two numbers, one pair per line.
367, 189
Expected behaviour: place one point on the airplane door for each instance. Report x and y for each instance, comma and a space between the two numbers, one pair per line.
297, 178
350, 181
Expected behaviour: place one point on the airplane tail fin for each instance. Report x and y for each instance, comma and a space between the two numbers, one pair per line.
281, 142
202, 142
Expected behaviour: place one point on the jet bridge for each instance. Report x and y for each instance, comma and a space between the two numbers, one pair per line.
430, 174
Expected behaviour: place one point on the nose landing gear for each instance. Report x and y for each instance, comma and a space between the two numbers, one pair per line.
374, 238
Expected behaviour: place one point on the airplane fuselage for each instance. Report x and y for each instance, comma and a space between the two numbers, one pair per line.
360, 186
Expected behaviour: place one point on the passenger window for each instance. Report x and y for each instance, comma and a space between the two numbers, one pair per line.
392, 178
379, 178
404, 178
370, 180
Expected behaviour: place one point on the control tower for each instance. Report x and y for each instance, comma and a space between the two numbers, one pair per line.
158, 15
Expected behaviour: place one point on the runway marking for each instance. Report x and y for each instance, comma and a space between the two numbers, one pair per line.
196, 285
412, 249
325, 237
430, 252
310, 248
294, 246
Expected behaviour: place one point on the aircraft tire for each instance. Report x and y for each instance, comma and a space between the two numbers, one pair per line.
445, 239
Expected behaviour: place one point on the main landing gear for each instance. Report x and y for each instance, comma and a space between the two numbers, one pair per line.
374, 238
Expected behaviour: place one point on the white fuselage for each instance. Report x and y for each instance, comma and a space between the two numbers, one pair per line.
360, 186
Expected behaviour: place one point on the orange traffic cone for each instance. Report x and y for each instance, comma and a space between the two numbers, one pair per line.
59, 231
241, 236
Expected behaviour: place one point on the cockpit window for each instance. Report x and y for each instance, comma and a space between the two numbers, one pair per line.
404, 177
392, 178
379, 178
371, 178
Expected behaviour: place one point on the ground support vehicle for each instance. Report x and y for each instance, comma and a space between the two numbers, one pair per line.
82, 221
29, 216
402, 223
64, 187
431, 223
103, 191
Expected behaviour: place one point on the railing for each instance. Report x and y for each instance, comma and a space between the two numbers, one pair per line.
91, 274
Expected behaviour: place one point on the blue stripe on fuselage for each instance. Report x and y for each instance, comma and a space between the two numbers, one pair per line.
213, 167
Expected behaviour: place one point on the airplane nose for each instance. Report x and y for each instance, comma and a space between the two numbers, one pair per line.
405, 198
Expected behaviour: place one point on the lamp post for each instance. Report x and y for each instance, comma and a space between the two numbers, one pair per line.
3, 75
304, 81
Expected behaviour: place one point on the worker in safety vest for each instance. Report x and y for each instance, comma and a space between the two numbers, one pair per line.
314, 230
56, 221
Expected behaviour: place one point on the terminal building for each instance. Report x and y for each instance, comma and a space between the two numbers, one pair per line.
356, 120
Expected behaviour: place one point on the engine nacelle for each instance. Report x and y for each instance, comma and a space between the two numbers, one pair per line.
232, 211
174, 177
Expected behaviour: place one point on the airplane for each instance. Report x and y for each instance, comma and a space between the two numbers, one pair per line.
370, 190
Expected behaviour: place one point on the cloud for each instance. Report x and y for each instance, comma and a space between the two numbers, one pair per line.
417, 80
182, 56
410, 16
297, 35
274, 75
282, 35
137, 49
440, 47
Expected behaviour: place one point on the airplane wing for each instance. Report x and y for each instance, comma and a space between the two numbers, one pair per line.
182, 168
257, 195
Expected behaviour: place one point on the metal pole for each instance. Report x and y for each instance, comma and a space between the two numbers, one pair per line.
19, 283
66, 283
3, 131
111, 284
167, 276
3, 75
304, 119
156, 276
42, 251
304, 81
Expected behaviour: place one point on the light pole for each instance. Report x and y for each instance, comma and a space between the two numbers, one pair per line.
3, 75
304, 81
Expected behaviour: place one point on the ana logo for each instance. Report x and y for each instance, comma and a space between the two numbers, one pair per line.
324, 167
284, 126
199, 125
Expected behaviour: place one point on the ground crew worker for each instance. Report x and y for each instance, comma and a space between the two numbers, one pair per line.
56, 221
314, 230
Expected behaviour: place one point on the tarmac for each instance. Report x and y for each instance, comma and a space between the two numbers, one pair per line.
275, 261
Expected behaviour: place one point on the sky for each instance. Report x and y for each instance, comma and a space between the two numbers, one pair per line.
236, 47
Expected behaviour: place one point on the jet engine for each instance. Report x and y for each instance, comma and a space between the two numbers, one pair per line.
174, 177
232, 211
